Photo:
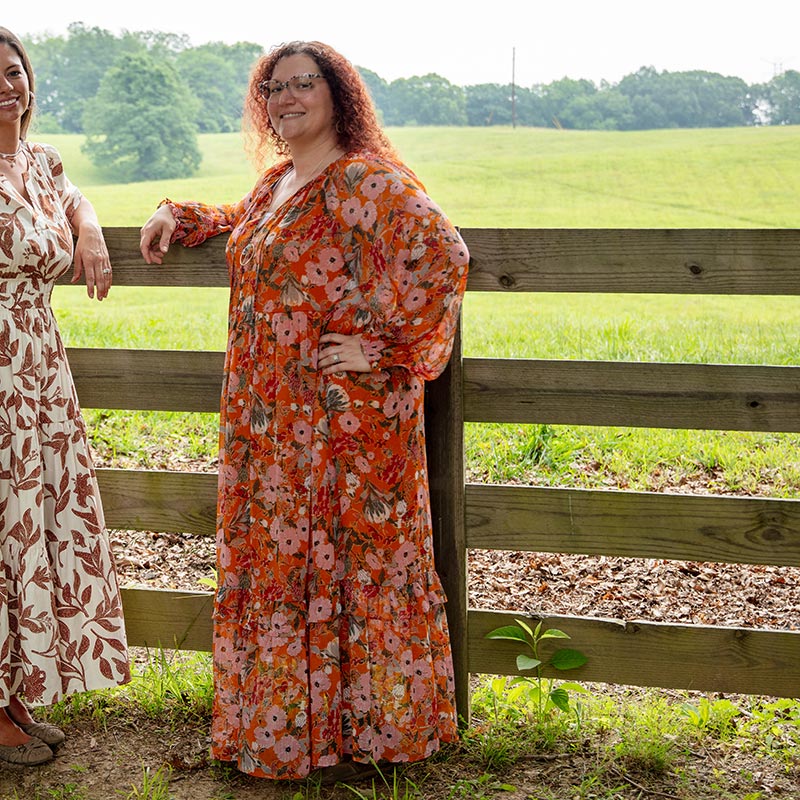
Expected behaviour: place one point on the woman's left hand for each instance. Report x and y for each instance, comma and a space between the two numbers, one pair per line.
340, 353
91, 258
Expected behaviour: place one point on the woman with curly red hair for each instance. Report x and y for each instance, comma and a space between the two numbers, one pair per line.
331, 650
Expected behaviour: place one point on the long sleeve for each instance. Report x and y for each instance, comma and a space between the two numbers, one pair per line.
412, 266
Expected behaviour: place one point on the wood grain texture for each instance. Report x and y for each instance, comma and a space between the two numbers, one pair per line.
704, 396
740, 530
698, 261
159, 500
147, 380
638, 653
168, 618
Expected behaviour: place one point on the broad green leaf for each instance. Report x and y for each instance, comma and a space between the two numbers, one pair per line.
560, 699
511, 632
574, 687
526, 662
568, 659
554, 633
524, 625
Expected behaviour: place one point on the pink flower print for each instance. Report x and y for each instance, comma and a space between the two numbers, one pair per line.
349, 422
397, 187
422, 669
406, 407
316, 274
415, 300
280, 624
324, 556
391, 640
287, 328
335, 288
363, 465
391, 406
459, 254
287, 748
319, 609
320, 683
418, 205
398, 577
390, 737
419, 690
406, 554
263, 738
291, 253
302, 432
331, 259
365, 740
373, 186
369, 215
401, 259
361, 695
351, 211
407, 663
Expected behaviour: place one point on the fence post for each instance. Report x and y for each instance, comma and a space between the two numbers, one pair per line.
444, 431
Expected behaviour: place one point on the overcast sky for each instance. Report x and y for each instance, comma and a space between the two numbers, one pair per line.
468, 42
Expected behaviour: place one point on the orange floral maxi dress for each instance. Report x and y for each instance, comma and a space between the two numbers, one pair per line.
61, 624
330, 636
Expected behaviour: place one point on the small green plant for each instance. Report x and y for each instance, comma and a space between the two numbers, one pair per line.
69, 791
716, 717
481, 788
154, 786
398, 788
544, 693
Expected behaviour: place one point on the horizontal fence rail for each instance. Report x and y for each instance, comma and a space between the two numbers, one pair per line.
745, 530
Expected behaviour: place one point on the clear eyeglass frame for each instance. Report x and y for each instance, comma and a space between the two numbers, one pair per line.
297, 84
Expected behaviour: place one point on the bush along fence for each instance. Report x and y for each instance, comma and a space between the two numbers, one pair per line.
746, 530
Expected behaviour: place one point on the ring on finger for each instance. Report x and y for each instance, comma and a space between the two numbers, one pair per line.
106, 272
336, 358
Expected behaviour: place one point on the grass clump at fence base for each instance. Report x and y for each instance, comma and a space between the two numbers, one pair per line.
620, 744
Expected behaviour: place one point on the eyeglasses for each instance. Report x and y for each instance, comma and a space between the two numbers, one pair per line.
297, 84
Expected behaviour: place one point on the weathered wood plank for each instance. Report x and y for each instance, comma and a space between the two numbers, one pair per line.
740, 530
705, 658
698, 261
203, 265
168, 618
159, 500
147, 380
710, 261
444, 432
705, 396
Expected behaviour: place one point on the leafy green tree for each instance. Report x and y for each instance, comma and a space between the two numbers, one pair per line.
781, 98
425, 100
69, 70
217, 75
140, 125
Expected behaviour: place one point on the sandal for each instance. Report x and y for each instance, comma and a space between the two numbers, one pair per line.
33, 752
45, 732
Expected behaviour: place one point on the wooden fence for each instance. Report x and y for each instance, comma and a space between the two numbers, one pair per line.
613, 523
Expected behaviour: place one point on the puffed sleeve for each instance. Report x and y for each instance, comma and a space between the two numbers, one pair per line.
197, 222
69, 194
412, 265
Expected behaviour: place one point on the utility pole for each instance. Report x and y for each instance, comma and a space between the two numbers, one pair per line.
513, 89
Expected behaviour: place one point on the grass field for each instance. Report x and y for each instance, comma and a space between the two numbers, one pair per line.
503, 177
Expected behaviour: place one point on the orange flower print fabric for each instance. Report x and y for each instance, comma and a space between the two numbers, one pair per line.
330, 635
61, 624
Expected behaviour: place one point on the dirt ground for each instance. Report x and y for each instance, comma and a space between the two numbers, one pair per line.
100, 764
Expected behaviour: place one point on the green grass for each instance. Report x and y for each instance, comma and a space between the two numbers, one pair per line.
503, 177
529, 177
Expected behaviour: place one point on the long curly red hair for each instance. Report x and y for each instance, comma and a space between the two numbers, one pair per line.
356, 123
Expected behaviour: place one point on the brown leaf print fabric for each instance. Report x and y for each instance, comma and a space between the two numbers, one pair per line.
61, 624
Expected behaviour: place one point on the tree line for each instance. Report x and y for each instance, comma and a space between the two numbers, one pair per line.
142, 97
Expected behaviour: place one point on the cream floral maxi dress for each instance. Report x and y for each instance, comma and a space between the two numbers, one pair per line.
61, 625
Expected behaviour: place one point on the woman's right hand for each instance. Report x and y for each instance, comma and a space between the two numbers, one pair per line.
156, 234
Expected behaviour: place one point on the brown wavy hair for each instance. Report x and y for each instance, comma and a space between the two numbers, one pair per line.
356, 123
6, 37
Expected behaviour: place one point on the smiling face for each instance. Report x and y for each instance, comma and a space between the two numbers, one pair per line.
14, 88
306, 119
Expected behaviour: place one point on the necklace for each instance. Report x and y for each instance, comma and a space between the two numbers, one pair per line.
314, 172
12, 157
